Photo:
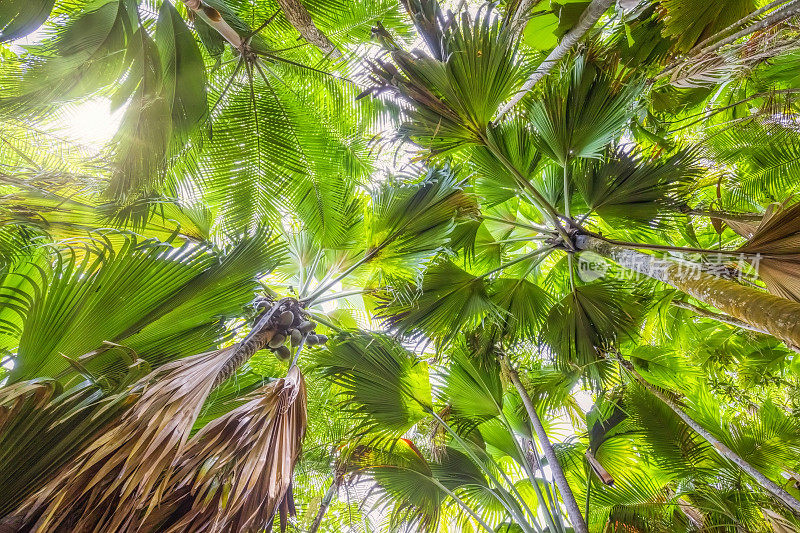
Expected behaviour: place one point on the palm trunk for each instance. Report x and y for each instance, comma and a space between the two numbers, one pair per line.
573, 510
323, 506
738, 24
760, 310
590, 15
725, 319
297, 15
521, 15
767, 484
258, 337
719, 317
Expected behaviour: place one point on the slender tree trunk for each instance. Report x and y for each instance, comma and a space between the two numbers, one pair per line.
213, 18
573, 510
781, 14
588, 18
521, 15
324, 504
741, 22
725, 319
759, 309
767, 484
297, 15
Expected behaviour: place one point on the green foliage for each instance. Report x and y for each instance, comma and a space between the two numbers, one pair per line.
408, 224
383, 384
625, 188
453, 95
167, 302
463, 245
19, 18
690, 22
447, 298
582, 110
585, 328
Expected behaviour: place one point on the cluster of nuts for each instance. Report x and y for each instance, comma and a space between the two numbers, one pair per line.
294, 326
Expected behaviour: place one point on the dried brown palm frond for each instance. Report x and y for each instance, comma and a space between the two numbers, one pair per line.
745, 228
29, 395
116, 481
104, 487
43, 426
236, 473
777, 240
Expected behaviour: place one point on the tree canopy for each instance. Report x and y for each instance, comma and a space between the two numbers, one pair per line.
400, 265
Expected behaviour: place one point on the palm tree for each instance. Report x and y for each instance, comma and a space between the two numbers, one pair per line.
598, 206
451, 100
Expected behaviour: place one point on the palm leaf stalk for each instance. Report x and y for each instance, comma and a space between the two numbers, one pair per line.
511, 504
767, 484
327, 498
761, 310
573, 509
521, 15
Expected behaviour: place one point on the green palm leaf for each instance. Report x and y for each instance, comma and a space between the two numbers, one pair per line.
587, 325
383, 384
19, 17
582, 110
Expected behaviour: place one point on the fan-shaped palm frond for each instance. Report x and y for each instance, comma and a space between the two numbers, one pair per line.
447, 298
588, 323
471, 384
409, 224
382, 383
627, 188
406, 480
582, 110
453, 95
167, 301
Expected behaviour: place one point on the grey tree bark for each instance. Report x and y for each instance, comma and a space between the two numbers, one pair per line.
588, 18
297, 15
573, 510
